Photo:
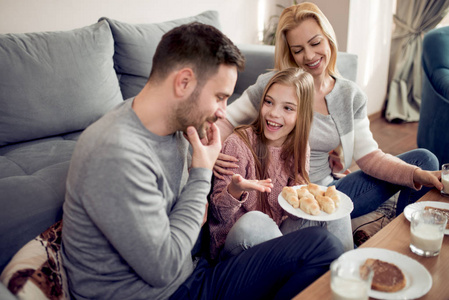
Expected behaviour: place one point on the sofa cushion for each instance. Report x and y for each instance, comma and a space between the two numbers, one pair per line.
55, 82
32, 185
135, 45
36, 271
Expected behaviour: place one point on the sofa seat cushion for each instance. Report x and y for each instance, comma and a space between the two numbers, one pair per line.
135, 45
32, 185
36, 271
53, 83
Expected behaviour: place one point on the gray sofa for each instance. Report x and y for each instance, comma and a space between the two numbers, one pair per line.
55, 84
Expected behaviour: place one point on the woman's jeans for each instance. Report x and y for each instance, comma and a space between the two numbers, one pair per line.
368, 193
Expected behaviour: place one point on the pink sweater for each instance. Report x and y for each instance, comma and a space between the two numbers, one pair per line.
225, 210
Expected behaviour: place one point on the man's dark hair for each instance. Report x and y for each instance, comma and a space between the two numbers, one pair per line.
198, 46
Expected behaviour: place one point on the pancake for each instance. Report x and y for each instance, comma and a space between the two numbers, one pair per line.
441, 210
387, 276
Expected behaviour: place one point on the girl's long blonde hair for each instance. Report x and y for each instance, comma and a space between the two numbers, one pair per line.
290, 18
294, 149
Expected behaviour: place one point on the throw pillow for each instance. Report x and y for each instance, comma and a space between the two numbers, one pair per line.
53, 83
36, 271
135, 45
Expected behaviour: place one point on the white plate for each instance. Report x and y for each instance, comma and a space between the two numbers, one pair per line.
343, 210
409, 209
419, 280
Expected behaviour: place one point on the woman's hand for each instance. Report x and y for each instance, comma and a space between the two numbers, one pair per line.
428, 178
238, 185
224, 161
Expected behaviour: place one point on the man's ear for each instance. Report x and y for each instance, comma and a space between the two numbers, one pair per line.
185, 82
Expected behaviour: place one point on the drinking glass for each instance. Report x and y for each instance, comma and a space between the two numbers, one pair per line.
349, 281
445, 179
427, 231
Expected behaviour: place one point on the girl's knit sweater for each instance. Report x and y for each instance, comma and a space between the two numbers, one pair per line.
225, 210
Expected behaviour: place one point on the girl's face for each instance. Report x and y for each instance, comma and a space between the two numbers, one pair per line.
279, 111
309, 47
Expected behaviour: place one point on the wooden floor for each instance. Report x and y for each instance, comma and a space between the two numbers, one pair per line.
392, 138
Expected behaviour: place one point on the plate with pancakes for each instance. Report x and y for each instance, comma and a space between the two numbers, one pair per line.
315, 202
422, 205
396, 276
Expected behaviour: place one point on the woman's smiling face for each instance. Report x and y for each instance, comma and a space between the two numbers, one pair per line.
279, 111
309, 47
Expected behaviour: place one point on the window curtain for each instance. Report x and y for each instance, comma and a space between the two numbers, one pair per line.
412, 19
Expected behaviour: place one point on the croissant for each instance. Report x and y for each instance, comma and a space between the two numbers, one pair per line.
333, 194
309, 206
290, 195
326, 204
315, 189
304, 192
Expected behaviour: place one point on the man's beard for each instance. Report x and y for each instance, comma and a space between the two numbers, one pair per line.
189, 114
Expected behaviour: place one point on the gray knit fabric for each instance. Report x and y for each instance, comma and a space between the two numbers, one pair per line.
130, 217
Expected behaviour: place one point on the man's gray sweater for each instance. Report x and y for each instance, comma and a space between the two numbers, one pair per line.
132, 211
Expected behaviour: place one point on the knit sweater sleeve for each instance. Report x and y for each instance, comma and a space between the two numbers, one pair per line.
358, 142
244, 109
224, 206
389, 168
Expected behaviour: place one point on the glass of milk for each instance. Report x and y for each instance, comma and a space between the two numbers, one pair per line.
348, 281
427, 232
445, 179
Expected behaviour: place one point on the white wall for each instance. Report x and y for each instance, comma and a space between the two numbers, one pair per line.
369, 36
337, 12
238, 18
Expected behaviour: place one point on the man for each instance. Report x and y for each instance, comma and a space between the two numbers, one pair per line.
136, 195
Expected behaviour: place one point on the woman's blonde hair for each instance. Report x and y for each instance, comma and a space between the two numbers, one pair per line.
294, 149
290, 18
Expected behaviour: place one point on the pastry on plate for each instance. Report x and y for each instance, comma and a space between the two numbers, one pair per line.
387, 276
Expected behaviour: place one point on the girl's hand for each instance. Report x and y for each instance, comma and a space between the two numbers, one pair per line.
224, 161
428, 178
238, 185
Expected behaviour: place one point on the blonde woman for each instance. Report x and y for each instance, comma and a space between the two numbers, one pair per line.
273, 152
340, 130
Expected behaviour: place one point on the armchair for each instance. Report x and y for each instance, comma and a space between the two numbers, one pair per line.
433, 128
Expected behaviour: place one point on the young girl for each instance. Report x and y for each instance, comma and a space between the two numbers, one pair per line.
273, 152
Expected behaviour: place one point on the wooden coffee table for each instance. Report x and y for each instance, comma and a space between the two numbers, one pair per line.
396, 236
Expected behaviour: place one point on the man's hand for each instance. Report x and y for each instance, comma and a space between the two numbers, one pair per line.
238, 185
205, 152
